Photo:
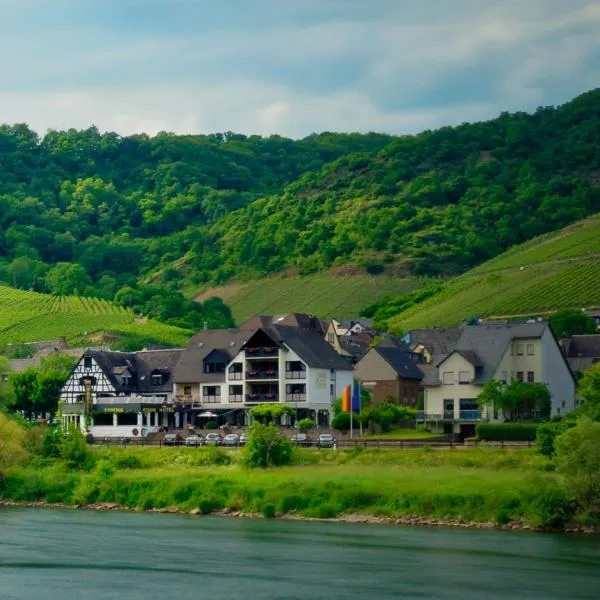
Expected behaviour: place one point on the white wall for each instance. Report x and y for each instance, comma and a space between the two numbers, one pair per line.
557, 376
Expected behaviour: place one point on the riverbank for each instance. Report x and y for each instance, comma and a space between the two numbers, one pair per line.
478, 488
408, 520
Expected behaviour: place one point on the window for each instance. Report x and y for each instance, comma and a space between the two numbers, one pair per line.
448, 378
187, 390
126, 380
519, 349
295, 369
157, 379
127, 419
87, 362
295, 388
464, 377
530, 376
236, 390
503, 378
519, 375
530, 349
331, 338
449, 408
211, 390
214, 367
103, 420
468, 404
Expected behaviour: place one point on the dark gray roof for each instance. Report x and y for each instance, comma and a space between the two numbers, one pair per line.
436, 341
141, 365
301, 320
583, 346
400, 361
486, 345
309, 346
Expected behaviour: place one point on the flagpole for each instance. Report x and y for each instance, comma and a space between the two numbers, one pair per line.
360, 409
351, 411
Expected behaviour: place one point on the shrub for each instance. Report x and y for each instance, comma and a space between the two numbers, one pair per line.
266, 447
305, 424
75, 452
514, 432
12, 443
502, 516
547, 433
268, 510
341, 421
212, 425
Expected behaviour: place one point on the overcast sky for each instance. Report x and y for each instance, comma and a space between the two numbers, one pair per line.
291, 67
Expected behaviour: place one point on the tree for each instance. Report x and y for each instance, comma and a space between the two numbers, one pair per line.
24, 386
589, 390
12, 443
269, 413
578, 459
66, 279
566, 323
306, 424
7, 397
266, 447
518, 400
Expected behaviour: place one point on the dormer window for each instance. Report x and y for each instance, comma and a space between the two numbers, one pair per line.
126, 380
157, 379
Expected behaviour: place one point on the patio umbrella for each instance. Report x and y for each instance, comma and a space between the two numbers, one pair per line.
208, 414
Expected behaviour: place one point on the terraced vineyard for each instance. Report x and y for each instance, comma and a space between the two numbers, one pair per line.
30, 316
324, 294
549, 273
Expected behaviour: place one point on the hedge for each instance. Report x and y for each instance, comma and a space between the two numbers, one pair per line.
510, 432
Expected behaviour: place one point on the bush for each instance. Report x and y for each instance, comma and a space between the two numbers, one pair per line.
75, 452
547, 433
268, 510
212, 425
12, 443
266, 447
305, 424
341, 421
513, 432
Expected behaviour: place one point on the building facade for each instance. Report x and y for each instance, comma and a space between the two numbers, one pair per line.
525, 352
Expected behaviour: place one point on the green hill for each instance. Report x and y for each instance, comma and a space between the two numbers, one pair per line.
324, 294
138, 219
30, 316
551, 272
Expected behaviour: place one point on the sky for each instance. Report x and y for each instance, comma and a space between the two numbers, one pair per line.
291, 67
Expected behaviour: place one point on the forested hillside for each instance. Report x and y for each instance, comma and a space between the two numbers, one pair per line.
137, 219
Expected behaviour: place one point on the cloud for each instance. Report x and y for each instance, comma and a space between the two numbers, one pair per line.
292, 68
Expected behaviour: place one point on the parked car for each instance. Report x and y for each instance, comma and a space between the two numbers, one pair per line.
231, 439
171, 439
243, 438
194, 440
300, 439
326, 440
213, 439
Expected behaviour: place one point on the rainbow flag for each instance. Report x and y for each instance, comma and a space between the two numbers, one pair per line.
346, 399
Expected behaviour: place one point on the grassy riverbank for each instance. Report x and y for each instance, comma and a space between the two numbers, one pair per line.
480, 485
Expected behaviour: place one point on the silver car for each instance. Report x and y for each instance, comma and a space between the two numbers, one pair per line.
213, 439
326, 440
194, 440
231, 439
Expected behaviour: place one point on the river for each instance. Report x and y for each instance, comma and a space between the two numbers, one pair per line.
63, 554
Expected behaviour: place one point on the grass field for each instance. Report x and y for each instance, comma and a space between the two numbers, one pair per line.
553, 272
477, 485
30, 316
405, 434
324, 294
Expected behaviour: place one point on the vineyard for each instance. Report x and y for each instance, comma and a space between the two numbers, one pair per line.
550, 273
30, 316
324, 295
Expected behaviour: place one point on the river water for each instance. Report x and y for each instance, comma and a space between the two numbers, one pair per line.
62, 554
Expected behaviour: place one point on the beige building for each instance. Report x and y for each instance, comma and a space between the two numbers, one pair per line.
505, 352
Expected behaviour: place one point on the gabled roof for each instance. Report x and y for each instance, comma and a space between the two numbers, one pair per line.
400, 361
301, 320
583, 346
485, 345
435, 341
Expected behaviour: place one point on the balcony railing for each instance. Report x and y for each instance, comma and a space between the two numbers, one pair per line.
260, 398
261, 352
211, 399
237, 398
265, 374
295, 374
448, 415
295, 397
235, 375
184, 398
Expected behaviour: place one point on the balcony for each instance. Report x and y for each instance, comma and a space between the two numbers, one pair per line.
263, 374
295, 374
448, 415
184, 399
236, 399
262, 398
295, 398
265, 351
211, 399
235, 375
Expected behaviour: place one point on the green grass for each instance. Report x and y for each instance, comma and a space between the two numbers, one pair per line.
474, 485
405, 434
27, 316
324, 294
553, 272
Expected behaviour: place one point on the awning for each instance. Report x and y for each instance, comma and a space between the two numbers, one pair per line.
208, 414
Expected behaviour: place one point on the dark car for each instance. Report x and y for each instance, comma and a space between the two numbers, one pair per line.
171, 439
